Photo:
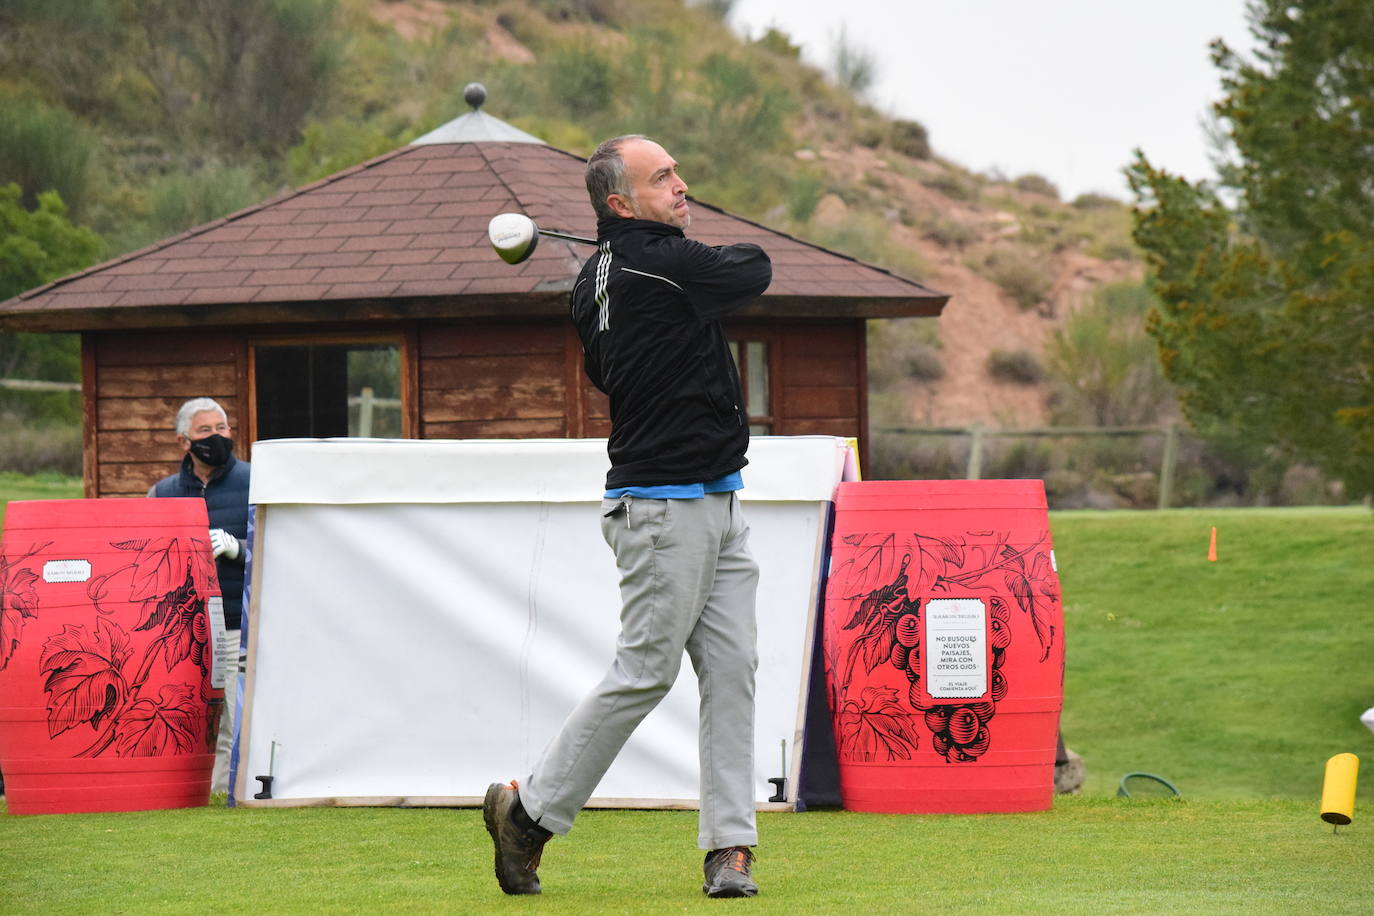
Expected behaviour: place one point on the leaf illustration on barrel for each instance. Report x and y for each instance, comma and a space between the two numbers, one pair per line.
85, 682
878, 614
877, 728
937, 555
18, 599
185, 630
162, 728
867, 565
1035, 595
163, 564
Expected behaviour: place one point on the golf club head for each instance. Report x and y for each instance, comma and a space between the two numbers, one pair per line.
513, 236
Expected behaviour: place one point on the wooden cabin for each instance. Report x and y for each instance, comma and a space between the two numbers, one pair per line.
371, 303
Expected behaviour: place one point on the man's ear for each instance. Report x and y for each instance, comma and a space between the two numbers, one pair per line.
620, 206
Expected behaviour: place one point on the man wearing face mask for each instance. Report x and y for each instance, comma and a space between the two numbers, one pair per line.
209, 470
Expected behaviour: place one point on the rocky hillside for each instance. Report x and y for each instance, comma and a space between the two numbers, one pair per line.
1015, 259
1016, 264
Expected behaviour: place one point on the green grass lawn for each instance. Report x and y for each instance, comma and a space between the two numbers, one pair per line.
1235, 680
38, 486
1087, 855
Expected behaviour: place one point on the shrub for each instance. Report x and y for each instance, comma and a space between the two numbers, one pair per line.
952, 185
604, 12
903, 456
720, 9
43, 148
903, 350
1105, 366
27, 449
583, 80
1104, 232
948, 232
1013, 458
924, 364
1018, 366
331, 146
1022, 275
803, 195
1037, 184
855, 67
181, 200
866, 236
910, 139
871, 135
1092, 201
776, 41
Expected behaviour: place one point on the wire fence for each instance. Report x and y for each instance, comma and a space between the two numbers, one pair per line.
981, 441
1138, 467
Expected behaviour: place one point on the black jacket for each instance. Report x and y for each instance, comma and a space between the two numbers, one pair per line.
226, 502
648, 306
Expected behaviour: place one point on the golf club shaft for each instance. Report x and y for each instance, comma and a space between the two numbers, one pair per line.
567, 238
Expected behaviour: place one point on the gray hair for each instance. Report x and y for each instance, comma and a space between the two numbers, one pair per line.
606, 175
193, 407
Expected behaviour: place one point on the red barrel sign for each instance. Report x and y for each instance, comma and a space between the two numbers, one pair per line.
105, 655
944, 646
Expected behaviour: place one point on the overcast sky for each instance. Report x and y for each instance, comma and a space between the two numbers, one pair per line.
1063, 88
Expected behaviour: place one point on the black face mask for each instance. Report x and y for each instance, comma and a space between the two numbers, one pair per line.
214, 449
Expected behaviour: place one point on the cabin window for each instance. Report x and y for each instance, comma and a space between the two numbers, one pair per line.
751, 356
318, 390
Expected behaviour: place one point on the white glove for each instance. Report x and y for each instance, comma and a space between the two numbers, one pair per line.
224, 544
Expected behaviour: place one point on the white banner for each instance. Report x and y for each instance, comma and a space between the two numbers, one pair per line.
414, 652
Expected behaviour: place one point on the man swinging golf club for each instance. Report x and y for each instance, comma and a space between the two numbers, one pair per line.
648, 306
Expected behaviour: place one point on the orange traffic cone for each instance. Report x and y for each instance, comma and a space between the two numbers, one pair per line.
1212, 548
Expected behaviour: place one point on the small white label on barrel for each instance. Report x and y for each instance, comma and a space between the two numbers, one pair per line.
956, 653
223, 660
67, 571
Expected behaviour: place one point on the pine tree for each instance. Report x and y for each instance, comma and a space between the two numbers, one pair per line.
1266, 281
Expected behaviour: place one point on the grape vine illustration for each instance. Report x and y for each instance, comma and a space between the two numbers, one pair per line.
887, 630
88, 671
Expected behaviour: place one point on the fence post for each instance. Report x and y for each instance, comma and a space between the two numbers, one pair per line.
975, 453
1166, 469
365, 414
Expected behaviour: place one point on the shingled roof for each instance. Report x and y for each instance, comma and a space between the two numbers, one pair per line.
404, 235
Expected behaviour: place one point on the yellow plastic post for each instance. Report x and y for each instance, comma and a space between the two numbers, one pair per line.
1338, 789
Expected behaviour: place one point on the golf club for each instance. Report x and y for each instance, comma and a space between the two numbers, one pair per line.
515, 235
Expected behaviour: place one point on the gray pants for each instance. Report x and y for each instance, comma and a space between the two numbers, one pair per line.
224, 743
687, 581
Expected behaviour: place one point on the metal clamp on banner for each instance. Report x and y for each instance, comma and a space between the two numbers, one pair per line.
267, 780
780, 782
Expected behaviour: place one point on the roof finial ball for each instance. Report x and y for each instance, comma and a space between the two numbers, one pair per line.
475, 94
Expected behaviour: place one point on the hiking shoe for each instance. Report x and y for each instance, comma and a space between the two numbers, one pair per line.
517, 850
727, 872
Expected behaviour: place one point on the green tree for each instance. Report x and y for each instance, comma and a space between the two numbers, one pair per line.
1266, 320
35, 247
40, 245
